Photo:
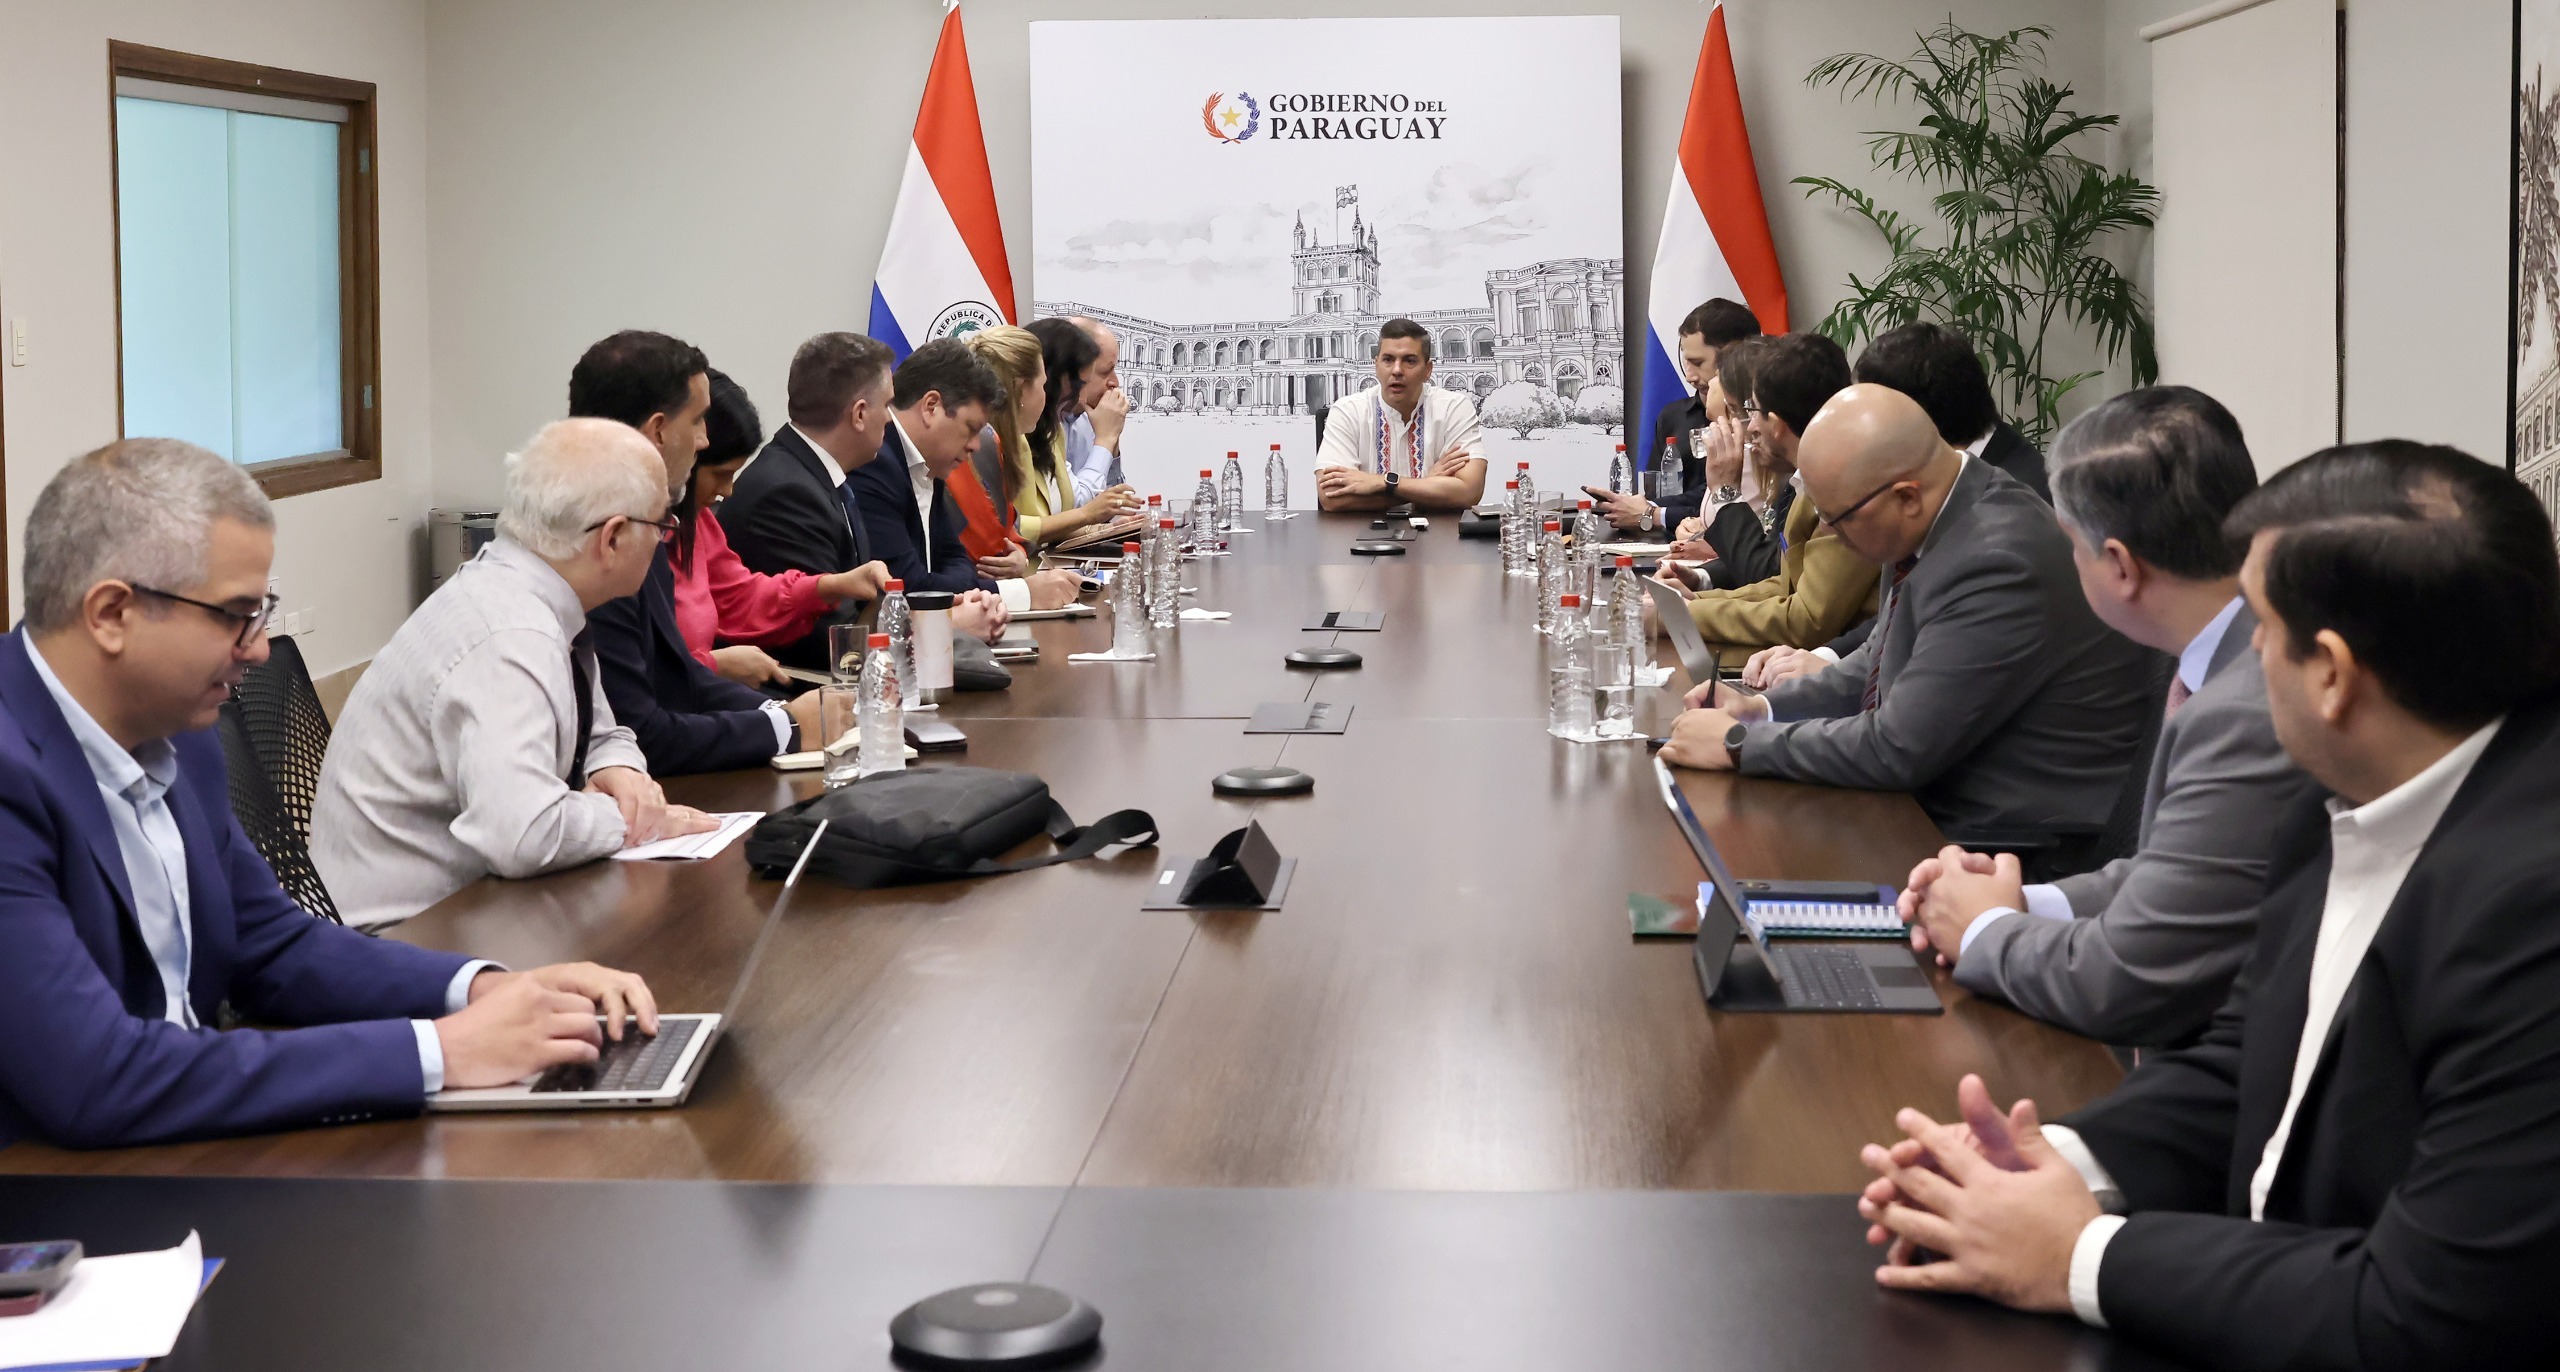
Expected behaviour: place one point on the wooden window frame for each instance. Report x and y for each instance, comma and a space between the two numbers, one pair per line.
359, 253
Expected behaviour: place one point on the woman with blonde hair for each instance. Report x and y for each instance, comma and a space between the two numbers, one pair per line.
1030, 463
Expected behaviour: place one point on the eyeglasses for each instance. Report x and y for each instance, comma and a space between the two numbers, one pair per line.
252, 622
666, 527
1836, 520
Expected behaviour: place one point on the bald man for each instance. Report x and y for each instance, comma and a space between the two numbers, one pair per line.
1990, 690
477, 742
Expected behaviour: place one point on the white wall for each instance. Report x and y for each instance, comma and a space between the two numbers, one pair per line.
344, 554
2430, 88
725, 174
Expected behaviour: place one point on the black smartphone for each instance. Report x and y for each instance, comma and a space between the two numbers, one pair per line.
935, 736
36, 1269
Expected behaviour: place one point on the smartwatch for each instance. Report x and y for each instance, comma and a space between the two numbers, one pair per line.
1733, 743
1392, 479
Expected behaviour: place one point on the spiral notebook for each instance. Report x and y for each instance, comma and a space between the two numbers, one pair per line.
1816, 918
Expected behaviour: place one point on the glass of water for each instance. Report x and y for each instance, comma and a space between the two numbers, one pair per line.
1613, 672
840, 721
845, 645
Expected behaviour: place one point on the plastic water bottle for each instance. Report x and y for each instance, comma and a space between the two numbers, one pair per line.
893, 620
1275, 486
883, 738
1129, 603
1626, 607
1164, 578
1586, 551
1552, 573
1513, 523
1204, 514
1528, 492
1622, 473
1667, 481
1230, 494
1569, 674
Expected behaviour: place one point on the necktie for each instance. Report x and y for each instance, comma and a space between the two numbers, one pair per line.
582, 675
1884, 626
2178, 694
853, 522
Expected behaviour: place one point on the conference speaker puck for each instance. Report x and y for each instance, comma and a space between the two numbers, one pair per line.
1262, 781
1323, 659
998, 1324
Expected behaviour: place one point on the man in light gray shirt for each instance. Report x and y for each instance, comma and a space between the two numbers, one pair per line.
472, 746
1092, 418
2143, 950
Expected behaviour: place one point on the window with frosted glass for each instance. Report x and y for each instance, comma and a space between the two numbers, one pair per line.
229, 255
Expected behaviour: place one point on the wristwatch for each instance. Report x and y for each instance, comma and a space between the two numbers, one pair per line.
1645, 525
1726, 495
1392, 479
1733, 743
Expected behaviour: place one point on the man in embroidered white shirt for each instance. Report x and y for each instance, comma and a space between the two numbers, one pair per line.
2354, 1167
1402, 440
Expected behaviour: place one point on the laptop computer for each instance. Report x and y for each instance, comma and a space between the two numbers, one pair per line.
638, 1072
1801, 977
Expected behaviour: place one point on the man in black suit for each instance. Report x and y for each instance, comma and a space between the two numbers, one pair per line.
793, 510
940, 398
1704, 334
2354, 1167
686, 717
1934, 365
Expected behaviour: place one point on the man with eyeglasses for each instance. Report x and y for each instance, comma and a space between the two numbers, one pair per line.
1989, 689
479, 741
132, 907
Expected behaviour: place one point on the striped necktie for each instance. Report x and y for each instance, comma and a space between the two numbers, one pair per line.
1884, 626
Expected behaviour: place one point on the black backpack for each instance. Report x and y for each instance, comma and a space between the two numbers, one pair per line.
933, 824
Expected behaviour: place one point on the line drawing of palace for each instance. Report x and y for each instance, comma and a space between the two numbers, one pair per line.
1556, 324
2537, 438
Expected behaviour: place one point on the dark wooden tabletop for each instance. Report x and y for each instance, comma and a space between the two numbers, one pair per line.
639, 1276
1449, 1001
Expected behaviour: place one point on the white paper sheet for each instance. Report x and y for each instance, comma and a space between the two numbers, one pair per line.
118, 1309
690, 847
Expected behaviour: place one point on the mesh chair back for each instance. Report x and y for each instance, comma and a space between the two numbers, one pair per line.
274, 735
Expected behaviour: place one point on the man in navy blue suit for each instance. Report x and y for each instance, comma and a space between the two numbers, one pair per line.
133, 909
939, 402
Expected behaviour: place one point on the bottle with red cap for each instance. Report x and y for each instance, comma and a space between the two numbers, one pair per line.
1515, 531
1622, 473
1164, 577
1552, 574
1129, 603
1204, 515
882, 745
1230, 494
896, 621
1569, 673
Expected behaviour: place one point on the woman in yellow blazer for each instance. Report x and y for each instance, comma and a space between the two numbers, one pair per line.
1037, 482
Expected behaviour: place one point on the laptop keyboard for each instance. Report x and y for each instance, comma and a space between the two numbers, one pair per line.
636, 1064
1827, 979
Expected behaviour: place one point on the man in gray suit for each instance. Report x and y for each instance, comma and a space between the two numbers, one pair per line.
2143, 950
1989, 690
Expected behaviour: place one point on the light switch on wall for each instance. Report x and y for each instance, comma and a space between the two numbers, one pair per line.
18, 341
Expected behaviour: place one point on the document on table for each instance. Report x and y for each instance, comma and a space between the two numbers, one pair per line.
118, 1311
687, 847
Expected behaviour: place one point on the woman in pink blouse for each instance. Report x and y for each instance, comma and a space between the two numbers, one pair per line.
718, 600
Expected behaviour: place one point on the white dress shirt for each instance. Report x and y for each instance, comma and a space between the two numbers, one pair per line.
1448, 422
451, 758
1089, 461
135, 786
2372, 847
2047, 902
1015, 591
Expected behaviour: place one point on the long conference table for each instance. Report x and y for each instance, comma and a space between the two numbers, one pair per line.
1440, 1109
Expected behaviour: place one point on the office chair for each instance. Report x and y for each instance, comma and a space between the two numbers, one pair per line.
2050, 855
274, 734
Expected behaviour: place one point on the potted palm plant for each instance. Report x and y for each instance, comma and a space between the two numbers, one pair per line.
2023, 217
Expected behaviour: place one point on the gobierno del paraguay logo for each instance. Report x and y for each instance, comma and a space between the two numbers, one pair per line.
1230, 121
1342, 118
